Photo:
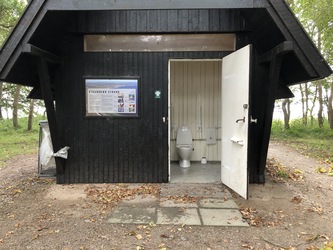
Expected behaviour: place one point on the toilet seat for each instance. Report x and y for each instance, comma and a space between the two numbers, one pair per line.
184, 145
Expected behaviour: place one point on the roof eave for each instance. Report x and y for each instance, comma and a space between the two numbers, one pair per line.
306, 51
20, 35
153, 4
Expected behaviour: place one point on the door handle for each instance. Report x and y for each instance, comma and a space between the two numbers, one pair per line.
238, 141
241, 120
254, 120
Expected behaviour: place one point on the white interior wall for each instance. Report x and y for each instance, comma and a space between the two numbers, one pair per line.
195, 92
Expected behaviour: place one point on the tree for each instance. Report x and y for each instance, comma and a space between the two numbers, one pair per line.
31, 114
330, 106
1, 86
15, 106
304, 101
13, 96
317, 18
10, 11
286, 112
321, 104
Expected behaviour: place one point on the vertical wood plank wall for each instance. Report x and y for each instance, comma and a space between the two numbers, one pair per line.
195, 90
126, 149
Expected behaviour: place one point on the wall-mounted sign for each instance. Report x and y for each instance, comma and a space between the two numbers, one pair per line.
112, 97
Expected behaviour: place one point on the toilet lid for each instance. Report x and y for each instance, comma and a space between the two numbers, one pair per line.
183, 146
184, 136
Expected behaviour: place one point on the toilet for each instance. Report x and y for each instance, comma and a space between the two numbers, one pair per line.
184, 146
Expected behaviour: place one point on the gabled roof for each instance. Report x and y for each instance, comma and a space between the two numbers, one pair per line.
270, 22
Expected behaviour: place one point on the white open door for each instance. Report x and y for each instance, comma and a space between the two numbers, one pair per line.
235, 108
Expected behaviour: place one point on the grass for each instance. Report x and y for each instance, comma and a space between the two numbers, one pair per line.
309, 140
18, 141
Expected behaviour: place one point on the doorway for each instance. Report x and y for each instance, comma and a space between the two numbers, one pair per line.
217, 114
195, 102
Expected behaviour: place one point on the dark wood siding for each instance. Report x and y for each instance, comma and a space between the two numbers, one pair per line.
160, 21
124, 149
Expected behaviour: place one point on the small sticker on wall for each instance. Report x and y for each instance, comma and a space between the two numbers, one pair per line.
158, 94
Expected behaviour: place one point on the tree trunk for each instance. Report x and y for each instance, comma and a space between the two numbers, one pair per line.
321, 104
307, 93
286, 113
313, 104
305, 103
31, 114
320, 91
1, 87
330, 107
15, 106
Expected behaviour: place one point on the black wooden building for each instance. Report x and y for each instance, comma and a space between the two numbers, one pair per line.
70, 51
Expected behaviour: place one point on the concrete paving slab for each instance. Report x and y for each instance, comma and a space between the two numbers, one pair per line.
178, 216
222, 217
140, 201
174, 203
217, 203
195, 190
212, 205
133, 215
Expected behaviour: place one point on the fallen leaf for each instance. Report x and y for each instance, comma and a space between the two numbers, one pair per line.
247, 246
132, 233
321, 170
152, 224
296, 200
9, 233
17, 191
139, 236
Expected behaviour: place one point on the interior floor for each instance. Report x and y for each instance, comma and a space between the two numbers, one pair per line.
196, 173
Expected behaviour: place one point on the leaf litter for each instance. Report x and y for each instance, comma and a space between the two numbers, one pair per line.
279, 173
113, 194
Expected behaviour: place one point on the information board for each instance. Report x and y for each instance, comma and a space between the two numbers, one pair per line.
112, 97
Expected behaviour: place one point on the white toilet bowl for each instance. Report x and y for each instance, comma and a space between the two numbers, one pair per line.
184, 146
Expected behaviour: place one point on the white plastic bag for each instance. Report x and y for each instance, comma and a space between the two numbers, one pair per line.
46, 149
63, 153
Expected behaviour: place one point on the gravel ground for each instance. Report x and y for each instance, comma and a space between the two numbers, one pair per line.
293, 212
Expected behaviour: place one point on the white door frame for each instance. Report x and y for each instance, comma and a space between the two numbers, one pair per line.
169, 101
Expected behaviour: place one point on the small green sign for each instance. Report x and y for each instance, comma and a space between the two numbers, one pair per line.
158, 94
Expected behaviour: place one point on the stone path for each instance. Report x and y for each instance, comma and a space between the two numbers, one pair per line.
181, 204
